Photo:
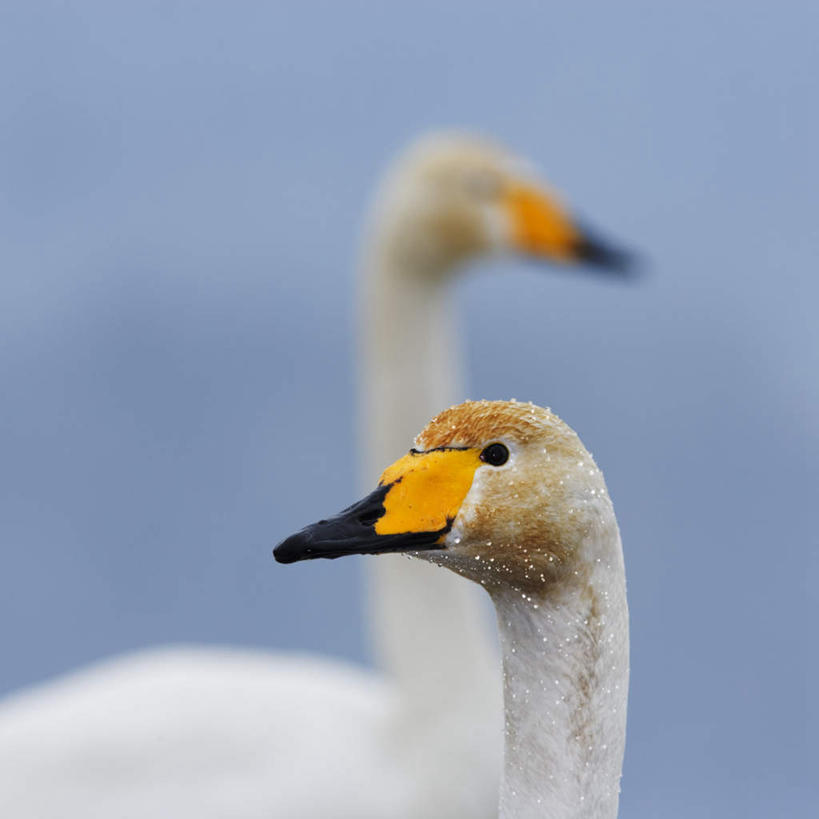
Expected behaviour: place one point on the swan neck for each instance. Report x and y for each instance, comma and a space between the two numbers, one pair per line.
409, 352
565, 662
430, 628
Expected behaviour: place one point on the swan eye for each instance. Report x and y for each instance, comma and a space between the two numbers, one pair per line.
495, 455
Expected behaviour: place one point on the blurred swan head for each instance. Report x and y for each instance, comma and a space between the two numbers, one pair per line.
452, 197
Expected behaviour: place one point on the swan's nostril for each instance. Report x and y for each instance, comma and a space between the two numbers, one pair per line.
369, 518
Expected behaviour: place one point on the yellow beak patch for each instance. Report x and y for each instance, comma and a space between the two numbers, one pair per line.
540, 224
426, 490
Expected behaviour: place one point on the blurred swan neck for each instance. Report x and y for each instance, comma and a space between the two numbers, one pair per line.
565, 662
409, 352
428, 626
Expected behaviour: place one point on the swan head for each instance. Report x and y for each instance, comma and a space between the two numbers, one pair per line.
501, 492
453, 197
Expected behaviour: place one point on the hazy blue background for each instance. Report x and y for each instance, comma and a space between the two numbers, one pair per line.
181, 189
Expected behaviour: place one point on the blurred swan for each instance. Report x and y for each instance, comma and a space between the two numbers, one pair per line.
506, 495
450, 199
209, 733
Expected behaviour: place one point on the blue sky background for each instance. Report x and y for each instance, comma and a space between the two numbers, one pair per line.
181, 191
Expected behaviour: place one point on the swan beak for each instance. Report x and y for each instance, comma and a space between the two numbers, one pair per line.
412, 510
542, 226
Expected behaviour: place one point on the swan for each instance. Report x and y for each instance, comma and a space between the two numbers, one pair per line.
506, 495
449, 199
205, 732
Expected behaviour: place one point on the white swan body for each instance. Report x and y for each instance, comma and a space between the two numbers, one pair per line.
206, 733
506, 495
199, 733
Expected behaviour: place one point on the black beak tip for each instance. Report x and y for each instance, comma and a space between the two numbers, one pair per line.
599, 253
291, 550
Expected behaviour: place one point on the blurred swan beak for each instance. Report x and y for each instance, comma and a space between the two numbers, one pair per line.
543, 227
